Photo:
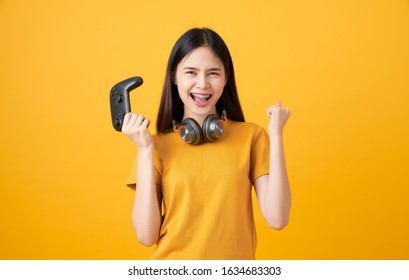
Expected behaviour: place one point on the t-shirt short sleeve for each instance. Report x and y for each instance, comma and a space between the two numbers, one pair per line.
260, 154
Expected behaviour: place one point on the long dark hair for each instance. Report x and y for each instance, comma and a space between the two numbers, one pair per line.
171, 106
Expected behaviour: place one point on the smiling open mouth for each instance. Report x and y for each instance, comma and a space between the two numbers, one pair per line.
200, 98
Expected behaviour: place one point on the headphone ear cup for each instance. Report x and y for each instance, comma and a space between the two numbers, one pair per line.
190, 131
212, 128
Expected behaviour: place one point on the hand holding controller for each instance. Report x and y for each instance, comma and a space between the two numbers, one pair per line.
119, 100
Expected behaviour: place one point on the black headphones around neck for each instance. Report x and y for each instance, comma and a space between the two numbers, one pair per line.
191, 132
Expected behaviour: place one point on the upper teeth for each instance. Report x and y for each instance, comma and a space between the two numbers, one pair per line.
198, 95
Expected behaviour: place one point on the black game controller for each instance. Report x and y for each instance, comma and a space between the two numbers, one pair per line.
119, 99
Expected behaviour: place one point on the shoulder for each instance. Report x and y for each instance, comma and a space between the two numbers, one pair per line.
165, 138
244, 134
166, 141
245, 127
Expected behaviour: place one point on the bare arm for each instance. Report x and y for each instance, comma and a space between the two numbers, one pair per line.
146, 211
273, 190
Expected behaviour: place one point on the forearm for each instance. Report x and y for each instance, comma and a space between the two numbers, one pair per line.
278, 198
146, 213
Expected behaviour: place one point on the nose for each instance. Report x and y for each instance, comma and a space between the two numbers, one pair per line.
202, 81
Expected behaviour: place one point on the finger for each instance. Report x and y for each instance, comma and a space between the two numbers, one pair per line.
278, 104
132, 120
146, 123
139, 120
127, 117
126, 121
268, 111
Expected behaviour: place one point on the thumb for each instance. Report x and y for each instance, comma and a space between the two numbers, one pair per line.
278, 104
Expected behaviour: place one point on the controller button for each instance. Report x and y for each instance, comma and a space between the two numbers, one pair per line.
118, 98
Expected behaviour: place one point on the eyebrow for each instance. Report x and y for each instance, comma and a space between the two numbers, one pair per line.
194, 68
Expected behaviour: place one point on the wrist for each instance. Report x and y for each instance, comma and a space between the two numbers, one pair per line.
275, 134
145, 151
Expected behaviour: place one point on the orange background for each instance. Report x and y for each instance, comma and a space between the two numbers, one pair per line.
341, 66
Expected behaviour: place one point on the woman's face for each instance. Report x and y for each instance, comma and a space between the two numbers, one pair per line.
200, 79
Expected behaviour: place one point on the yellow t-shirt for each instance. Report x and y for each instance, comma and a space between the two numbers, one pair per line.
208, 212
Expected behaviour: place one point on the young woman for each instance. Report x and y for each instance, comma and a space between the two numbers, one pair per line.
194, 178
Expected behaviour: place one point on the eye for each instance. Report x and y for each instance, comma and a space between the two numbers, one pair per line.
191, 73
214, 74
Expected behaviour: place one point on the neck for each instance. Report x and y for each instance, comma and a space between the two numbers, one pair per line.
199, 118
